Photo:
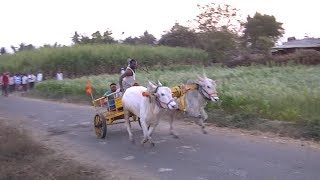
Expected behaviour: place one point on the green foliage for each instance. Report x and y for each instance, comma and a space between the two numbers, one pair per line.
264, 44
179, 36
3, 51
219, 25
76, 38
289, 93
96, 59
219, 44
262, 26
145, 39
97, 38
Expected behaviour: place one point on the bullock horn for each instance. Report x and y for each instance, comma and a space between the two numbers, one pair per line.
151, 86
204, 73
200, 78
159, 83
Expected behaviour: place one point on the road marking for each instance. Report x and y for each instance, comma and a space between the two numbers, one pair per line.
160, 141
187, 148
85, 123
129, 158
164, 169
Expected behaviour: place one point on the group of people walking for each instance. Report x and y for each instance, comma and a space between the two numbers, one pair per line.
18, 82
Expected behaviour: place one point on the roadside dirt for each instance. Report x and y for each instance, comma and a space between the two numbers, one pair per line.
24, 158
29, 154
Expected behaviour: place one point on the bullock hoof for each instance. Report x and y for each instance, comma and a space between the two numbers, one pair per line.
204, 131
144, 141
152, 144
174, 135
131, 140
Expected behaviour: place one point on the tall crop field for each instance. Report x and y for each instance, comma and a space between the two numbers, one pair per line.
96, 59
290, 93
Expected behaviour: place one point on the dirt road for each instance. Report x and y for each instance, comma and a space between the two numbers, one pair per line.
220, 154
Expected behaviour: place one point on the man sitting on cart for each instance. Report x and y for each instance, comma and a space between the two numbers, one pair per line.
110, 98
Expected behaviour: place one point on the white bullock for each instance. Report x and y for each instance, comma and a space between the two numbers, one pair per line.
195, 99
146, 103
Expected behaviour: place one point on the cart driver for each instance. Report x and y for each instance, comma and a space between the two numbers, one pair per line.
128, 78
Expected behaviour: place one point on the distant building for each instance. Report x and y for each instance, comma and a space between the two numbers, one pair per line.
293, 44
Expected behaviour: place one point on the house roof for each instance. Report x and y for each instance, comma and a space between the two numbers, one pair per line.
301, 43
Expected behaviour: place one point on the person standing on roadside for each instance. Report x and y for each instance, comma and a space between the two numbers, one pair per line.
17, 81
39, 77
11, 83
32, 80
59, 76
24, 82
5, 82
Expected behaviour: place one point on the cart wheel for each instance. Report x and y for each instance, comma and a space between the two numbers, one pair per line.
100, 126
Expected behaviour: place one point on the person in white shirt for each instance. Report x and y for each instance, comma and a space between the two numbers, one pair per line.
24, 82
31, 80
128, 78
11, 83
39, 77
59, 76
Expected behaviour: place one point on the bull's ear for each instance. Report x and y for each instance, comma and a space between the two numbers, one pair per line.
159, 83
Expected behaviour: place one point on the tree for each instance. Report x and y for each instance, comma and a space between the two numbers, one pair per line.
261, 26
130, 40
220, 45
14, 49
85, 40
97, 38
219, 26
3, 51
107, 38
216, 17
264, 44
76, 38
24, 47
179, 36
147, 38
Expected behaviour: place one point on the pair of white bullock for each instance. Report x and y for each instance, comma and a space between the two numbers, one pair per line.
150, 103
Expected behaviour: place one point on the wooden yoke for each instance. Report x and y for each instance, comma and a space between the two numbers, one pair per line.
180, 93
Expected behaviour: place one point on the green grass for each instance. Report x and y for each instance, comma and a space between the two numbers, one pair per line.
97, 59
290, 93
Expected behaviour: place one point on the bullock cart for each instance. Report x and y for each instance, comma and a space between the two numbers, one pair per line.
108, 115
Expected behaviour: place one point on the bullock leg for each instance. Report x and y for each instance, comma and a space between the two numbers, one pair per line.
172, 117
144, 129
204, 117
150, 131
127, 123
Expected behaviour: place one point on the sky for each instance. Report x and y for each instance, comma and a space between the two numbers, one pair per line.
48, 21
